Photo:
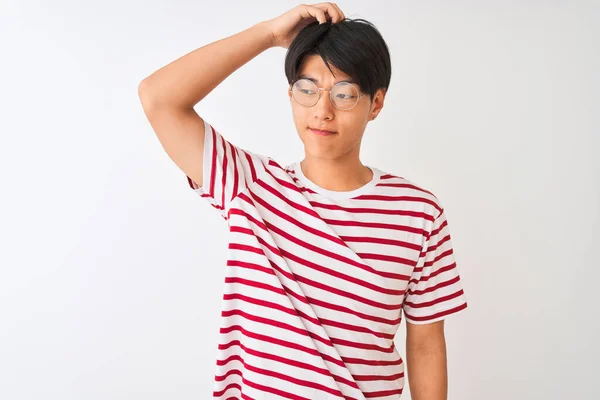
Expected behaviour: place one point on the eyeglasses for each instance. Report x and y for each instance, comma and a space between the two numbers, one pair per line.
343, 95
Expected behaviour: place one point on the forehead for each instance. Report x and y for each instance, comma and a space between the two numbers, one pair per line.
314, 68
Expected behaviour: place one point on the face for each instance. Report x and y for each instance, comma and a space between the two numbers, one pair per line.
348, 125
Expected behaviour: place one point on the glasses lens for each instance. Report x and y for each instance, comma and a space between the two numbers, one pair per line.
305, 92
344, 95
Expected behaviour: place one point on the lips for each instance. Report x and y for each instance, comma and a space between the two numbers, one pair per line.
321, 132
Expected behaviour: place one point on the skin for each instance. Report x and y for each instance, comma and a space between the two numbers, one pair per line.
333, 162
426, 361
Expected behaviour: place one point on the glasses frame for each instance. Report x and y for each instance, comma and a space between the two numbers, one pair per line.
329, 90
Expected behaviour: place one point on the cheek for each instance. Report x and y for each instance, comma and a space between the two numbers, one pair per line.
300, 117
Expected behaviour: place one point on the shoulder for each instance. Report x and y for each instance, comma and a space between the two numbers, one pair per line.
411, 191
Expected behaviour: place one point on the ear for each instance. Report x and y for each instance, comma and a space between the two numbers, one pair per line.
377, 103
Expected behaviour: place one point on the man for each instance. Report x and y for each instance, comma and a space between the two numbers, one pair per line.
325, 254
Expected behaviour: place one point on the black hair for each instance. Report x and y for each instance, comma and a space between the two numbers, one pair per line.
354, 46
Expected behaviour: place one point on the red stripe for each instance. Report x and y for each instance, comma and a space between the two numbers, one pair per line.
436, 315
226, 388
363, 346
221, 378
191, 183
433, 288
375, 363
244, 247
244, 264
382, 393
356, 328
385, 257
362, 210
224, 172
391, 242
251, 163
234, 191
403, 185
433, 274
213, 168
370, 378
434, 302
399, 198
237, 211
376, 225
231, 358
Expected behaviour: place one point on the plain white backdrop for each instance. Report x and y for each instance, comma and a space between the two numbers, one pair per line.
111, 268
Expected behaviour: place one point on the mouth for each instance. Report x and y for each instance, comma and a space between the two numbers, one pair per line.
322, 132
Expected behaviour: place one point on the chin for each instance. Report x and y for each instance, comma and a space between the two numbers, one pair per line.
322, 152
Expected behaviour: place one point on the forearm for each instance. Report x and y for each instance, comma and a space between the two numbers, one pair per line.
427, 372
190, 78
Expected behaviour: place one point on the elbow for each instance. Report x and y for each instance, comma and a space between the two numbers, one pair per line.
145, 94
152, 97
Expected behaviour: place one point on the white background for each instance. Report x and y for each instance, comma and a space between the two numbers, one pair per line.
112, 268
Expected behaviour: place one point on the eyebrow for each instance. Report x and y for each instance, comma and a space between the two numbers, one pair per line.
315, 80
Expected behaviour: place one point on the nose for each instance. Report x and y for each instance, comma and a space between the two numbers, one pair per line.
324, 109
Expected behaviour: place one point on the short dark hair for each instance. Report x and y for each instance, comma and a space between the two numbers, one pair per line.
354, 46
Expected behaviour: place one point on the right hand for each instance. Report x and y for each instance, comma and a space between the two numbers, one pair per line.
284, 28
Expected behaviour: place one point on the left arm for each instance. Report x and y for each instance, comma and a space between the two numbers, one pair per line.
426, 361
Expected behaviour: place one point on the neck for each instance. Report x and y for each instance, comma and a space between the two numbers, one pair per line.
340, 175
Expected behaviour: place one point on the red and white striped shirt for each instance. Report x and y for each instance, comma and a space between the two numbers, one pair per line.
316, 281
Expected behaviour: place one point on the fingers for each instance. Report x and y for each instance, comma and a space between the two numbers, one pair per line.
313, 12
318, 13
332, 9
341, 15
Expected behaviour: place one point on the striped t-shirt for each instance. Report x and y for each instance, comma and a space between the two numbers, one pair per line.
316, 281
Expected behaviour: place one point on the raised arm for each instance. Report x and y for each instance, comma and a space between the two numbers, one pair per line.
169, 94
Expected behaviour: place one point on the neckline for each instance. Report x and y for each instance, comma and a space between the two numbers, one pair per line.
340, 195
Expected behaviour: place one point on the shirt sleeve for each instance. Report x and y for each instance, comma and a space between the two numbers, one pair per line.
227, 170
435, 289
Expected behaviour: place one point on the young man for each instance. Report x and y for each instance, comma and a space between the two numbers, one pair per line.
324, 254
